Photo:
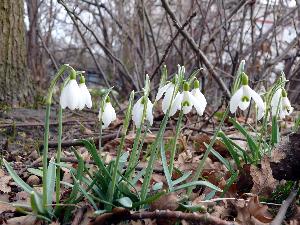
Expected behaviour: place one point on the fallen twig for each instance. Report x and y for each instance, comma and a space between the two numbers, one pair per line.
110, 218
65, 144
285, 205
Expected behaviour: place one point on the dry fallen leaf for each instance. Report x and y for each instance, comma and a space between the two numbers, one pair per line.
252, 212
168, 201
263, 180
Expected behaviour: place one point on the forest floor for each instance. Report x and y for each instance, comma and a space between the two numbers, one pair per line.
253, 199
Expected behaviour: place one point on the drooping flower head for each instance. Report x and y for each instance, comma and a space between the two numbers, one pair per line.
281, 104
199, 96
138, 109
70, 93
107, 114
85, 98
186, 100
242, 97
168, 89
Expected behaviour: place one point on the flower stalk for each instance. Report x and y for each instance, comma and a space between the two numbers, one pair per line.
174, 143
46, 132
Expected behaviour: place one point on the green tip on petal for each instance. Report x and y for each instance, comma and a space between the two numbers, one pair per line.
244, 79
82, 80
245, 99
73, 74
186, 103
107, 100
186, 86
283, 93
196, 84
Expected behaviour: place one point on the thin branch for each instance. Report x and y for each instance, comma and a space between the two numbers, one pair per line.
203, 219
195, 48
285, 205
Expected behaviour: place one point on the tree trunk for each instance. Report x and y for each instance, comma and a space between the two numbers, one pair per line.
16, 87
34, 58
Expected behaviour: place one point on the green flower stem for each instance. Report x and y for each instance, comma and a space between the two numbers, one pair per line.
119, 151
45, 154
153, 155
208, 150
100, 134
174, 143
133, 155
58, 154
46, 132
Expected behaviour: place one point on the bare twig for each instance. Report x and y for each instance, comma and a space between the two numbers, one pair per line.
195, 48
285, 205
160, 214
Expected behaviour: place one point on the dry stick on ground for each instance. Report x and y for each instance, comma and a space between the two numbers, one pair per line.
110, 218
195, 48
43, 124
285, 205
66, 144
38, 163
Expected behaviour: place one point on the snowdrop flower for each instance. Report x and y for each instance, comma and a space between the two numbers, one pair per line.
107, 114
242, 98
137, 111
168, 90
70, 94
85, 98
199, 96
186, 100
281, 101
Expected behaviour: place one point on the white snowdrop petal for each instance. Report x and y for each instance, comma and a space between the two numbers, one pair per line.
200, 97
260, 113
109, 114
73, 95
149, 114
198, 104
186, 109
137, 112
86, 95
167, 99
235, 100
257, 99
161, 91
176, 104
243, 105
63, 98
276, 101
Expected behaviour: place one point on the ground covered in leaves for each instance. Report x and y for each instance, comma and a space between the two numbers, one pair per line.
254, 198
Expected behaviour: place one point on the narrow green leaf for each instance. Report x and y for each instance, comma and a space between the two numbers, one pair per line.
36, 172
230, 148
221, 158
51, 175
275, 131
251, 142
125, 201
182, 178
165, 166
17, 179
196, 183
94, 153
150, 199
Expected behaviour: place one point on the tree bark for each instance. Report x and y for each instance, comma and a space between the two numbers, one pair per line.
16, 87
34, 59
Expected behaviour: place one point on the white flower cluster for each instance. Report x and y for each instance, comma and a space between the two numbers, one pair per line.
76, 96
280, 104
